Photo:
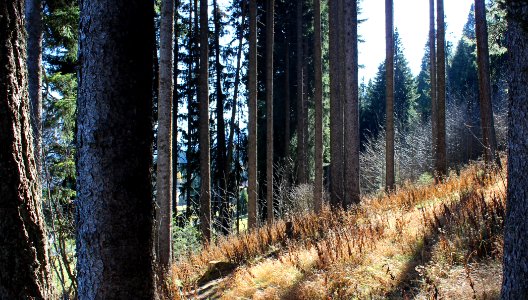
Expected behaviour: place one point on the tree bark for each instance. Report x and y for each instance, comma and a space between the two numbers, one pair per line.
287, 104
515, 269
221, 156
34, 68
164, 168
318, 98
24, 261
336, 108
351, 104
114, 208
389, 94
441, 152
269, 106
486, 109
432, 71
205, 156
301, 143
252, 110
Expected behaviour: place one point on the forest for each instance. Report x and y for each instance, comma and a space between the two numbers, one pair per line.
229, 149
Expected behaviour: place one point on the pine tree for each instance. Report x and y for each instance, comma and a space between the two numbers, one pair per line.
269, 106
515, 269
205, 157
252, 110
318, 97
114, 141
441, 150
23, 246
164, 178
389, 95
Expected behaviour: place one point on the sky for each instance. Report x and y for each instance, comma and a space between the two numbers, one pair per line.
411, 18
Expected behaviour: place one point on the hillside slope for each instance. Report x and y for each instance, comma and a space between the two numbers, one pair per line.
422, 242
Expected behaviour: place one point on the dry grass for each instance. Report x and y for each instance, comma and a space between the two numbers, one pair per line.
424, 242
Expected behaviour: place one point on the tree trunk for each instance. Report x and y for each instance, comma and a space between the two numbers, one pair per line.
287, 105
486, 109
389, 94
336, 108
441, 152
114, 141
318, 97
252, 110
432, 71
515, 278
164, 169
301, 143
23, 246
205, 156
351, 104
34, 69
269, 106
175, 97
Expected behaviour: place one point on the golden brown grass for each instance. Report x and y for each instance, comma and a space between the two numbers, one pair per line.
425, 242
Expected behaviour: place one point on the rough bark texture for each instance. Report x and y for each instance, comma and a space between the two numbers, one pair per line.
34, 63
486, 109
164, 168
252, 110
301, 142
336, 109
318, 98
269, 107
114, 208
441, 151
389, 94
205, 143
23, 248
432, 72
221, 156
351, 104
515, 279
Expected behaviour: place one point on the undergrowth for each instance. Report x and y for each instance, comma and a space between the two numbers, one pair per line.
422, 241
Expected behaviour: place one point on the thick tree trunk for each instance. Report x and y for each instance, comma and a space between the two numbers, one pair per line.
23, 248
252, 110
301, 142
205, 156
486, 109
318, 98
269, 106
34, 68
515, 278
351, 104
164, 169
114, 141
432, 71
336, 108
389, 94
441, 152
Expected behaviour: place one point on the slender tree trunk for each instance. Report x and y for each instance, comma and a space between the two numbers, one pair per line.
301, 143
441, 152
164, 170
34, 69
175, 97
318, 97
486, 108
336, 108
24, 261
222, 172
114, 141
389, 109
205, 156
515, 270
269, 106
287, 104
351, 177
432, 71
252, 109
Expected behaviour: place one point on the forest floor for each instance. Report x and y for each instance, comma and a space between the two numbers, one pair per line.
422, 242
